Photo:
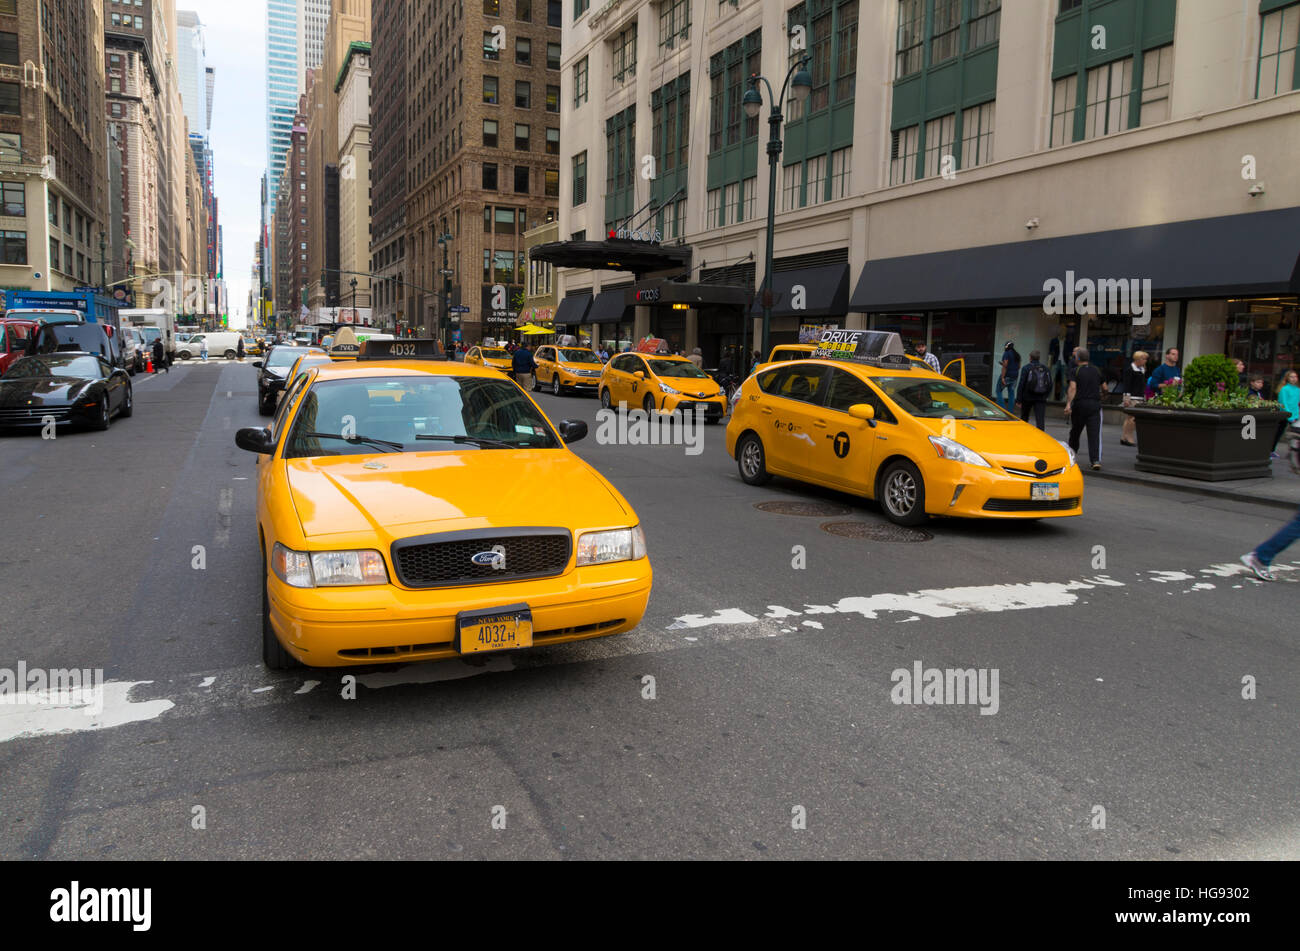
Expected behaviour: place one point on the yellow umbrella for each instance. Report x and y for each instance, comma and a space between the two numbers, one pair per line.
533, 330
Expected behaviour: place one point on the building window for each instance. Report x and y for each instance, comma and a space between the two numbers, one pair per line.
489, 176
977, 135
522, 135
10, 105
624, 54
552, 141
580, 7
490, 90
841, 168
505, 220
713, 207
730, 203
13, 199
490, 133
1064, 95
1279, 37
490, 51
791, 178
487, 219
985, 20
902, 155
521, 179
944, 44
552, 98
524, 10
816, 193
13, 247
939, 143
492, 8
9, 49
1157, 72
552, 55
1106, 109
674, 22
579, 179
911, 37
846, 65
554, 16
503, 267
580, 82
54, 255
552, 177
670, 129
523, 95
139, 23
523, 52
748, 198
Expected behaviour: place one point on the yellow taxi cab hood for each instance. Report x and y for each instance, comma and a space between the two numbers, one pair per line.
416, 493
997, 438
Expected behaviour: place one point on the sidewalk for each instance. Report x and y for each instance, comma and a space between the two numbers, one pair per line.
1118, 463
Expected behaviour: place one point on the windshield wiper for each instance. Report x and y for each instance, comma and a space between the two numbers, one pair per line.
475, 440
370, 441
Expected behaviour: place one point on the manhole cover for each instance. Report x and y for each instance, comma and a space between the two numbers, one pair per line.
876, 532
819, 509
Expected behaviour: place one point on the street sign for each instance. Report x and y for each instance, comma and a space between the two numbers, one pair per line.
447, 271
458, 309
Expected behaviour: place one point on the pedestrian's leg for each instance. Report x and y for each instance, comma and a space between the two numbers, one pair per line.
1094, 436
1285, 536
1129, 431
1040, 414
1024, 412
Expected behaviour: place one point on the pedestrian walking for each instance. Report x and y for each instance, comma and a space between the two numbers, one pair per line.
1034, 385
930, 359
696, 357
1083, 406
203, 349
1261, 559
1006, 389
1133, 385
159, 356
239, 349
522, 364
1166, 372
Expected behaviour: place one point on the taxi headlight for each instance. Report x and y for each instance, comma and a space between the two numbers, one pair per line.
601, 548
951, 449
668, 389
319, 569
1069, 451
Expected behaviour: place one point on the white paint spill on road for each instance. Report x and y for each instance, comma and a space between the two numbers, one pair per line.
1164, 577
1200, 586
225, 502
914, 617
726, 616
43, 719
814, 624
776, 611
263, 689
308, 687
432, 673
208, 681
692, 639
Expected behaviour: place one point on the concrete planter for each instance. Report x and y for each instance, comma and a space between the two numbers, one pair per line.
1206, 444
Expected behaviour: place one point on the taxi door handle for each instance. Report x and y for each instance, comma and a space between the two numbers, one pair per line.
767, 411
819, 423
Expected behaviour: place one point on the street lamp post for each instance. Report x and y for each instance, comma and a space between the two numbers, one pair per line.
800, 83
444, 321
353, 282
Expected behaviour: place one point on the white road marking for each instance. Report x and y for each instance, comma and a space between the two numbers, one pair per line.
1166, 576
263, 689
225, 501
208, 681
42, 719
308, 687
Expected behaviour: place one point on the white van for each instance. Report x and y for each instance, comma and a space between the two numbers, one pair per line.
221, 343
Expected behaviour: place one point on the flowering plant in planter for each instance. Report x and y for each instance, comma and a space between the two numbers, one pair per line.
1210, 383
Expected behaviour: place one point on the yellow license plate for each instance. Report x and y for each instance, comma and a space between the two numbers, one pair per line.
1045, 492
501, 629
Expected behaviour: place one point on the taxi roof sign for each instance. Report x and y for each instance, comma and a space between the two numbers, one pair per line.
345, 346
410, 348
875, 347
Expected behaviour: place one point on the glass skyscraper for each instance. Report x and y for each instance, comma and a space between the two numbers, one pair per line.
283, 77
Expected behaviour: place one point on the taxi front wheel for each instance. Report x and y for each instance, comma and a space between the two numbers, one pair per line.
751, 460
604, 399
902, 494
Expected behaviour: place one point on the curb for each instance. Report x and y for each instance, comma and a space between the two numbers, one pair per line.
1207, 491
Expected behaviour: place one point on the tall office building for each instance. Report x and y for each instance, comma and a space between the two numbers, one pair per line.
315, 15
388, 162
284, 72
197, 81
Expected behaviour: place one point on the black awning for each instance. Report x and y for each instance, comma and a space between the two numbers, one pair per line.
1236, 255
825, 292
665, 291
640, 257
609, 306
573, 309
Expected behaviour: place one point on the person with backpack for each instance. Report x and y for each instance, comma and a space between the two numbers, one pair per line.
1134, 387
1034, 386
1010, 373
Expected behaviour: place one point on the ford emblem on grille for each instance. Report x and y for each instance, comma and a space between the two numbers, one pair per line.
495, 558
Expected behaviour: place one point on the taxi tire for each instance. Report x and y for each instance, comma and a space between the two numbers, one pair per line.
604, 398
273, 653
752, 447
556, 389
897, 482
648, 404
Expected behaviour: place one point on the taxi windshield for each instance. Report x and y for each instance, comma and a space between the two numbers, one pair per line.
493, 353
415, 414
578, 356
680, 368
935, 399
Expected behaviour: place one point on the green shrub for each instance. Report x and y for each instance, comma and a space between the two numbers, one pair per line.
1208, 371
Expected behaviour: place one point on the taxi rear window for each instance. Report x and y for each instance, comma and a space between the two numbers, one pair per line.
415, 414
795, 382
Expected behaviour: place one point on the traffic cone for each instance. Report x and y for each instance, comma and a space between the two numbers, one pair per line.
148, 365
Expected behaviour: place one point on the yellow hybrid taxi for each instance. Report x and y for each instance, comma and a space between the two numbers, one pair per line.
561, 369
498, 358
804, 351
863, 418
660, 382
416, 509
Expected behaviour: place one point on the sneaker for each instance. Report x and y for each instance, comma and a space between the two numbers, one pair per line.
1096, 466
1252, 562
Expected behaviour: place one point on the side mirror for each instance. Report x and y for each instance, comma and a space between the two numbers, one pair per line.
863, 411
639, 374
571, 430
255, 440
258, 364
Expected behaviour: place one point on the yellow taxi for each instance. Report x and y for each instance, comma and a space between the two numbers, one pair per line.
566, 368
301, 365
405, 512
660, 382
863, 418
804, 351
498, 358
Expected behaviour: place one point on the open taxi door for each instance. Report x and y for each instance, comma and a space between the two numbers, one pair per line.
960, 364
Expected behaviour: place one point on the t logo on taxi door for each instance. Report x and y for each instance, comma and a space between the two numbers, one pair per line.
841, 444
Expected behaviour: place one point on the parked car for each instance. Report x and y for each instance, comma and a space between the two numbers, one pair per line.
221, 343
85, 338
73, 388
272, 372
134, 350
15, 332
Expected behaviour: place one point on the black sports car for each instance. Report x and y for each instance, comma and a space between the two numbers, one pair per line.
71, 388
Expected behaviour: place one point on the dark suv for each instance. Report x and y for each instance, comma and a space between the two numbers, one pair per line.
271, 371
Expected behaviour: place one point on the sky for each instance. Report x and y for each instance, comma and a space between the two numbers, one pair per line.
235, 40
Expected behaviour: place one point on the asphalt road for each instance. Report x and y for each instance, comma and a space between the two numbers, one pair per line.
1120, 677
